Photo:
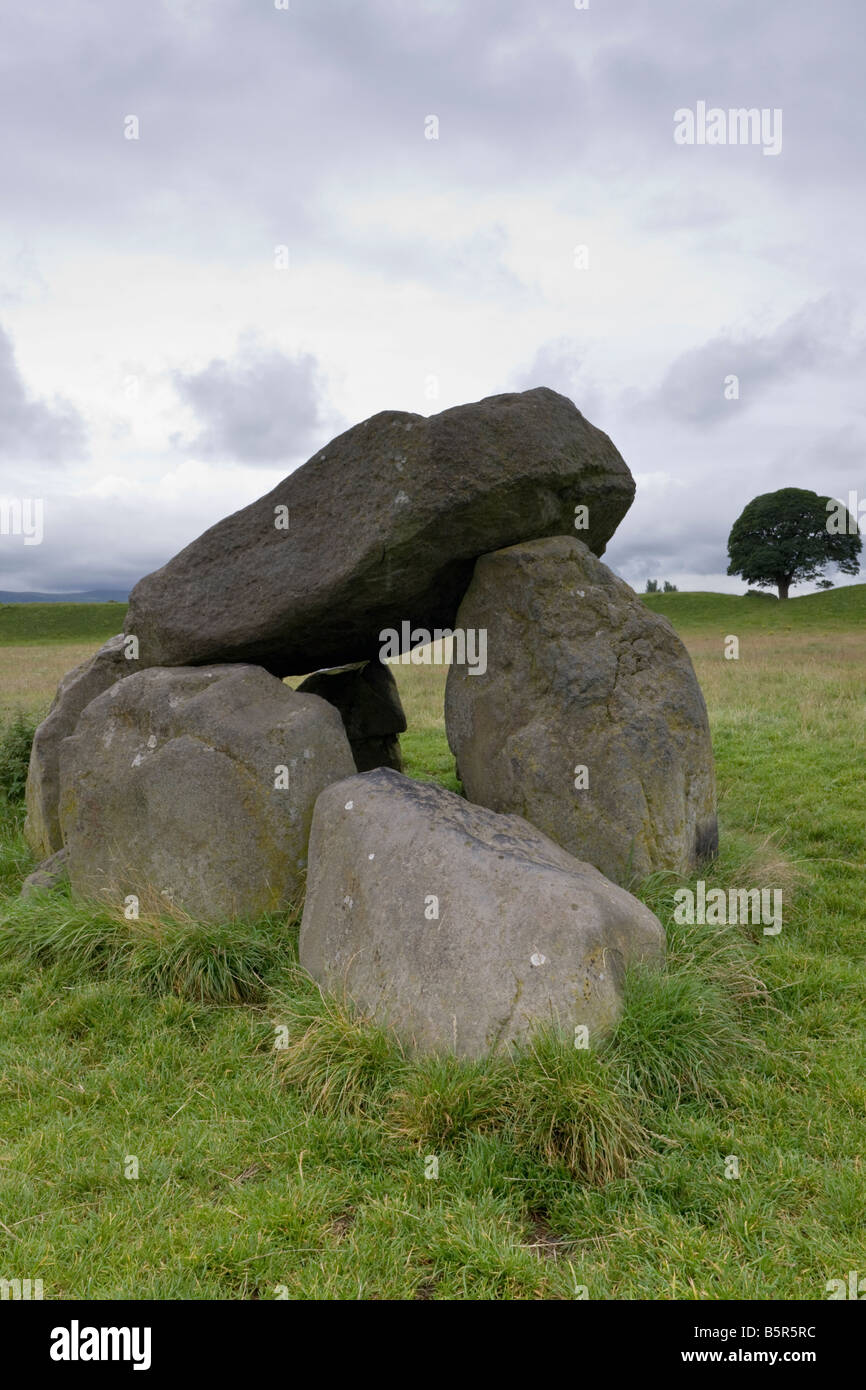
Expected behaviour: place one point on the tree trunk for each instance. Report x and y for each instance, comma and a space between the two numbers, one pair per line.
784, 585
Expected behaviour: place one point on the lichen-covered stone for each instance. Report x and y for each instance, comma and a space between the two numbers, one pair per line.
461, 929
194, 788
382, 526
74, 693
589, 720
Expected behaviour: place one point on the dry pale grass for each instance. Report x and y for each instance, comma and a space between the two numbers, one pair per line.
29, 675
422, 688
822, 674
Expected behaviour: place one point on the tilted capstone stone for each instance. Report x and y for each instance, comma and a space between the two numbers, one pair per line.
381, 526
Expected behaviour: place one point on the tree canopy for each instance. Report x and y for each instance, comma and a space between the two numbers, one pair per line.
784, 538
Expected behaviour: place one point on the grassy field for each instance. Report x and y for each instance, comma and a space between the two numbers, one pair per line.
33, 624
837, 608
300, 1171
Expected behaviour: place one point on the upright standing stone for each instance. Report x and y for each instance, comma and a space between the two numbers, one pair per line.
369, 702
74, 693
589, 720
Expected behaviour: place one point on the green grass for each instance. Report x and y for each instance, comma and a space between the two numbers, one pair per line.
16, 736
842, 608
36, 623
286, 1146
31, 624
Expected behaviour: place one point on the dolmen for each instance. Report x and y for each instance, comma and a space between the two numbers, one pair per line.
177, 769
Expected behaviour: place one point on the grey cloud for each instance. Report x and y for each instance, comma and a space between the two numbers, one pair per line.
253, 110
470, 268
260, 127
31, 429
261, 406
559, 365
92, 542
818, 339
669, 533
639, 562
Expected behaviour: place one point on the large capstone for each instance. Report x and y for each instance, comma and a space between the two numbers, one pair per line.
381, 529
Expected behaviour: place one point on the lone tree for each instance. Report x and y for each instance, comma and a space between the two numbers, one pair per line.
783, 538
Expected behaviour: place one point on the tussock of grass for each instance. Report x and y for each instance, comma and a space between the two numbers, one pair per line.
677, 1037
226, 963
50, 930
229, 963
568, 1108
442, 1099
342, 1063
720, 954
551, 1100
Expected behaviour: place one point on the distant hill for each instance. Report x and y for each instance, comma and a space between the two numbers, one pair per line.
84, 596
31, 624
842, 607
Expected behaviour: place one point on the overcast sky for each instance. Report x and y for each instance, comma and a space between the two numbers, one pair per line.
159, 367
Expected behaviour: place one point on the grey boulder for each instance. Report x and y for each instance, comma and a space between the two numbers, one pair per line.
369, 702
460, 929
194, 788
589, 720
74, 693
380, 528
